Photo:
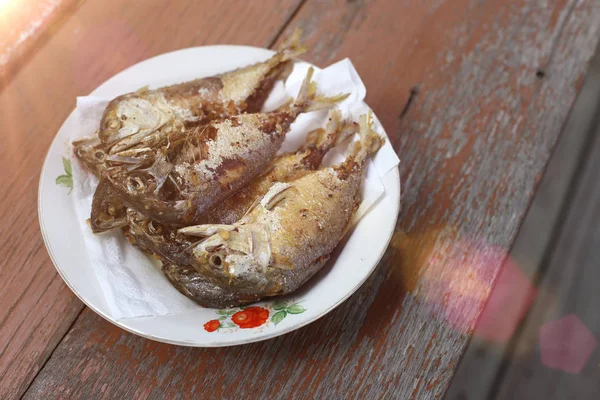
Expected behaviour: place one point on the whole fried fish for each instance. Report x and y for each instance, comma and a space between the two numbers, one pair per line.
146, 118
149, 116
289, 235
203, 166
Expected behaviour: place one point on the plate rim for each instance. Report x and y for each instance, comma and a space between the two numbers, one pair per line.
215, 344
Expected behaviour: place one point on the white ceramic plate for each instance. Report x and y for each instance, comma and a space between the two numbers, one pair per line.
352, 264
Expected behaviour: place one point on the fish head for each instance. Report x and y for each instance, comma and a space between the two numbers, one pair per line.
108, 211
140, 225
239, 253
136, 182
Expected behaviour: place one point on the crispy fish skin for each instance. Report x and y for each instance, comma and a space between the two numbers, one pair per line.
289, 235
195, 286
148, 117
210, 163
285, 167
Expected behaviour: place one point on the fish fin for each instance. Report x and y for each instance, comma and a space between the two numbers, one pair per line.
368, 144
307, 89
307, 100
285, 71
285, 106
325, 138
143, 89
346, 131
314, 137
320, 141
275, 195
324, 103
205, 230
281, 262
252, 207
370, 141
291, 47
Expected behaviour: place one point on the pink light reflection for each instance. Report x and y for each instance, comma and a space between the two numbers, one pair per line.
453, 276
511, 297
566, 344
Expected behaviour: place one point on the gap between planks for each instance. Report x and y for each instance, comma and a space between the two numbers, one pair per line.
538, 235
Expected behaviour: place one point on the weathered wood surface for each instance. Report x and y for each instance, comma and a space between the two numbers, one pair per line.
484, 358
490, 85
570, 286
100, 39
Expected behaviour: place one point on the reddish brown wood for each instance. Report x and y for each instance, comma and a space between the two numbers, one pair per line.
100, 39
491, 84
22, 23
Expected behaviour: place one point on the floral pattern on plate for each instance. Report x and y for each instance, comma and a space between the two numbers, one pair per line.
247, 317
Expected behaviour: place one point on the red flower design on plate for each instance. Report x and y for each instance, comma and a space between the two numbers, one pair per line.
250, 317
212, 325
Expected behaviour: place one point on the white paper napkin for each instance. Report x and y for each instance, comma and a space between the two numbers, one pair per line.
131, 282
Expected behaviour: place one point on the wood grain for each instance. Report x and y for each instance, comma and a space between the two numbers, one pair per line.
484, 358
571, 287
491, 84
100, 39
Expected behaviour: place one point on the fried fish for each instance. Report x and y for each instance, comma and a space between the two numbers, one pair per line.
146, 118
207, 164
164, 242
289, 235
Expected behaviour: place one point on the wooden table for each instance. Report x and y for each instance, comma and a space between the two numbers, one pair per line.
473, 94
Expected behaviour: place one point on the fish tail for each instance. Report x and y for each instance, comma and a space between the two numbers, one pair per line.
336, 131
291, 47
370, 141
307, 99
323, 139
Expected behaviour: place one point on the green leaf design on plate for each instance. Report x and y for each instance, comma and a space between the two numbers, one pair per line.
222, 318
296, 309
226, 312
279, 305
67, 166
66, 180
278, 317
228, 325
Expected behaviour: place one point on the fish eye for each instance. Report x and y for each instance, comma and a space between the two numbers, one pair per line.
155, 228
111, 210
113, 124
99, 155
215, 260
136, 183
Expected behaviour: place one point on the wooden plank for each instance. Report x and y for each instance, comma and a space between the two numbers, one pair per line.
570, 286
483, 357
474, 141
100, 39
